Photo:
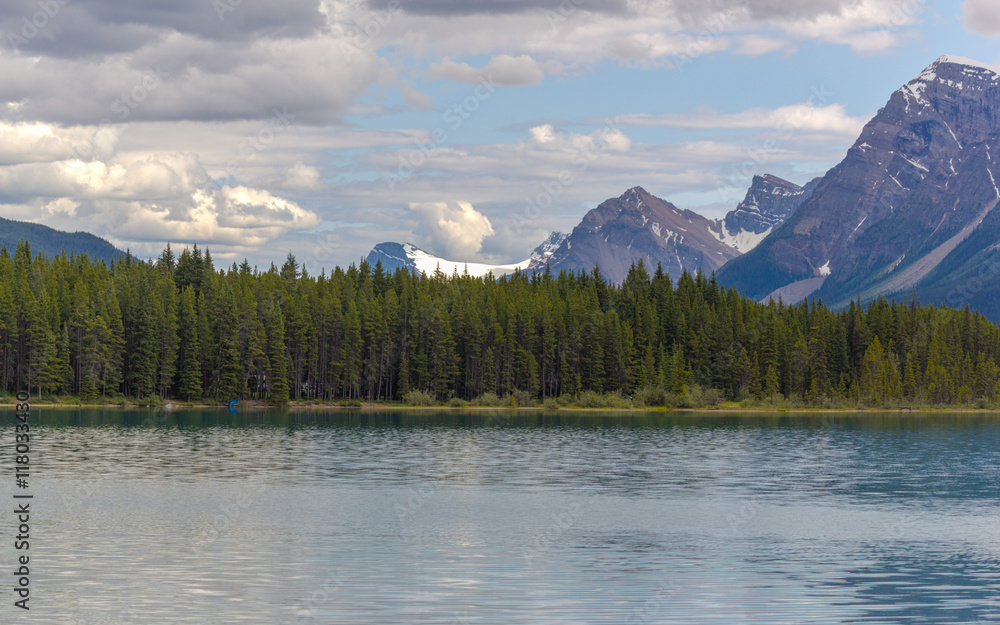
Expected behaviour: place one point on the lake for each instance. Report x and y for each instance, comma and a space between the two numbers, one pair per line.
203, 516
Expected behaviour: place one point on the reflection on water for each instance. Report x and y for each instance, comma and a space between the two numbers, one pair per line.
202, 516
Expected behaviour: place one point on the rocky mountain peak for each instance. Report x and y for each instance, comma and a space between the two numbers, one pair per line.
911, 202
640, 226
769, 202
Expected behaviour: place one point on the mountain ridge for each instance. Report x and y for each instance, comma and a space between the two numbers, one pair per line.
912, 189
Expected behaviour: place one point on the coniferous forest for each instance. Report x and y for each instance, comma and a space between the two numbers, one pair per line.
180, 328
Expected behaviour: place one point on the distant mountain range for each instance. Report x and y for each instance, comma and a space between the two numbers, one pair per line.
636, 226
911, 206
52, 242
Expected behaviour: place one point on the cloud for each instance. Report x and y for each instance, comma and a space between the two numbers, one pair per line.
246, 208
502, 69
832, 118
757, 45
417, 99
140, 199
81, 29
605, 139
543, 134
490, 7
651, 32
981, 17
866, 26
302, 176
39, 142
131, 62
179, 77
455, 229
61, 205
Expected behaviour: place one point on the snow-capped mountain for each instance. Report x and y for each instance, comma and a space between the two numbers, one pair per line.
912, 205
768, 203
544, 251
409, 256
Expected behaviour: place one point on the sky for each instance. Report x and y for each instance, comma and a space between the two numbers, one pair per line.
470, 128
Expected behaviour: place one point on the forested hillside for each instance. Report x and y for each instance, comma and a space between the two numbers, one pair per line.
52, 242
180, 328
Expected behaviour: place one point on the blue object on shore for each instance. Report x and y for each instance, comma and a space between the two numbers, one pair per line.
232, 405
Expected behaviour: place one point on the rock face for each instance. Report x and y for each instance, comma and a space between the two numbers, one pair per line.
546, 249
910, 206
393, 256
769, 202
635, 226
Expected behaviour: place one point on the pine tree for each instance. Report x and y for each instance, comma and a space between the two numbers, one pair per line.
189, 355
277, 360
771, 387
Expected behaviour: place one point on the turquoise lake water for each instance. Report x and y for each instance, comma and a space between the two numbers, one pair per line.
202, 516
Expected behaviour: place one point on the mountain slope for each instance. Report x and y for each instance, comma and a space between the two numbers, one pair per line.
52, 242
411, 257
909, 206
635, 226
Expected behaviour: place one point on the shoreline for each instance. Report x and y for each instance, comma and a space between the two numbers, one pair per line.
389, 407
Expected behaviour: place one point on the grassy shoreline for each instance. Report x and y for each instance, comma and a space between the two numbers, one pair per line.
316, 405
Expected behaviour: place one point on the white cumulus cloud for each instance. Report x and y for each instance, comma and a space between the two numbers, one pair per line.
805, 116
302, 176
455, 229
503, 69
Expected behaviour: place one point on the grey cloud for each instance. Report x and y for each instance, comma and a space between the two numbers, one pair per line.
81, 28
982, 17
699, 10
190, 79
472, 7
686, 10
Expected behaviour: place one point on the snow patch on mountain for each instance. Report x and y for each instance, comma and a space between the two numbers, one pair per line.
409, 256
741, 240
971, 63
428, 263
972, 69
548, 247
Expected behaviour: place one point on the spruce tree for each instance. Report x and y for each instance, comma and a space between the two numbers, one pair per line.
189, 355
277, 361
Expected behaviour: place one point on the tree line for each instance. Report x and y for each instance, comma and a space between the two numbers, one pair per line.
177, 327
